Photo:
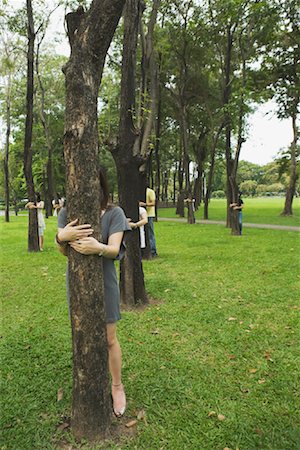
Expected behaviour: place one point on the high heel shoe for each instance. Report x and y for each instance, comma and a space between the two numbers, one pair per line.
119, 407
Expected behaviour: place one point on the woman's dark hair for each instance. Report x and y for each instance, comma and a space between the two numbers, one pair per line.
38, 196
103, 188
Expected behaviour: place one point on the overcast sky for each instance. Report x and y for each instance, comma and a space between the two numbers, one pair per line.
266, 134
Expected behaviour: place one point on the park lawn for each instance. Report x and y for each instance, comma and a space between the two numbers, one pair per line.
256, 210
222, 340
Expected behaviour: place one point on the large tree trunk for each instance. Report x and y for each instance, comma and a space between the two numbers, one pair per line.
91, 406
33, 239
288, 211
132, 276
6, 157
128, 160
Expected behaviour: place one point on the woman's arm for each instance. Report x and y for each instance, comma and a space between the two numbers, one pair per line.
70, 233
143, 221
90, 246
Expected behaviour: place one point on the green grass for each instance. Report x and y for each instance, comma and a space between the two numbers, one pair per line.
228, 305
256, 210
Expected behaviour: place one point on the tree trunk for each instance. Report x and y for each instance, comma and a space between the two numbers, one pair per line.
6, 157
33, 239
49, 190
132, 285
211, 171
90, 35
129, 161
288, 211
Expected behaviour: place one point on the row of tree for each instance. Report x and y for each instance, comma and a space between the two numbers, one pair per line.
178, 86
196, 77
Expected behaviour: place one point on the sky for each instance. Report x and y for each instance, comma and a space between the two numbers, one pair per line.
267, 135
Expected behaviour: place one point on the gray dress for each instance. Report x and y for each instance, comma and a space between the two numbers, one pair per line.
113, 221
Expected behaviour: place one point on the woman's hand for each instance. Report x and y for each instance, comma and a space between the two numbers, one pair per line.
73, 232
87, 246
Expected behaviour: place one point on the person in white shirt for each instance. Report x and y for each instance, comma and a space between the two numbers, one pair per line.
143, 220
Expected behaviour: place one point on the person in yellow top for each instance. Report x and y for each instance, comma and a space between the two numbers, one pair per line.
150, 206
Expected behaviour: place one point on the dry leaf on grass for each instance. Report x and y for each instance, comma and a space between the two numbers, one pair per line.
63, 426
155, 332
252, 370
212, 413
231, 356
141, 414
262, 381
60, 394
268, 357
232, 318
131, 423
221, 417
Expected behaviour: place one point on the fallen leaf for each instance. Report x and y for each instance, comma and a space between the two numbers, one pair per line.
221, 417
131, 423
232, 318
244, 390
141, 414
226, 448
155, 332
241, 322
212, 413
63, 426
231, 356
60, 394
252, 370
262, 381
268, 357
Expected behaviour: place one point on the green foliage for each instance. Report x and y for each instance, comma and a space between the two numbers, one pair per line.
212, 344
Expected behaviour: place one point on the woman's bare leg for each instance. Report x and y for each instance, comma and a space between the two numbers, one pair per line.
115, 367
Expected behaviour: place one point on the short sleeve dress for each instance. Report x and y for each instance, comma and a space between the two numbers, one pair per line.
113, 221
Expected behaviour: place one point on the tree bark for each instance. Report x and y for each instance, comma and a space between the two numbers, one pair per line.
33, 239
49, 191
90, 38
6, 157
211, 171
288, 210
129, 161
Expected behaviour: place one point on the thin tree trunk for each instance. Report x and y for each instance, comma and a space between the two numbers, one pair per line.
288, 211
90, 35
49, 191
6, 158
211, 171
33, 239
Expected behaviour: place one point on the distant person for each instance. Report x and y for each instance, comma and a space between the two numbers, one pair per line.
238, 207
79, 237
143, 220
150, 205
190, 202
39, 205
57, 204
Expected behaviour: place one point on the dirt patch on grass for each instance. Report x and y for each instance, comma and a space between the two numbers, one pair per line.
121, 431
